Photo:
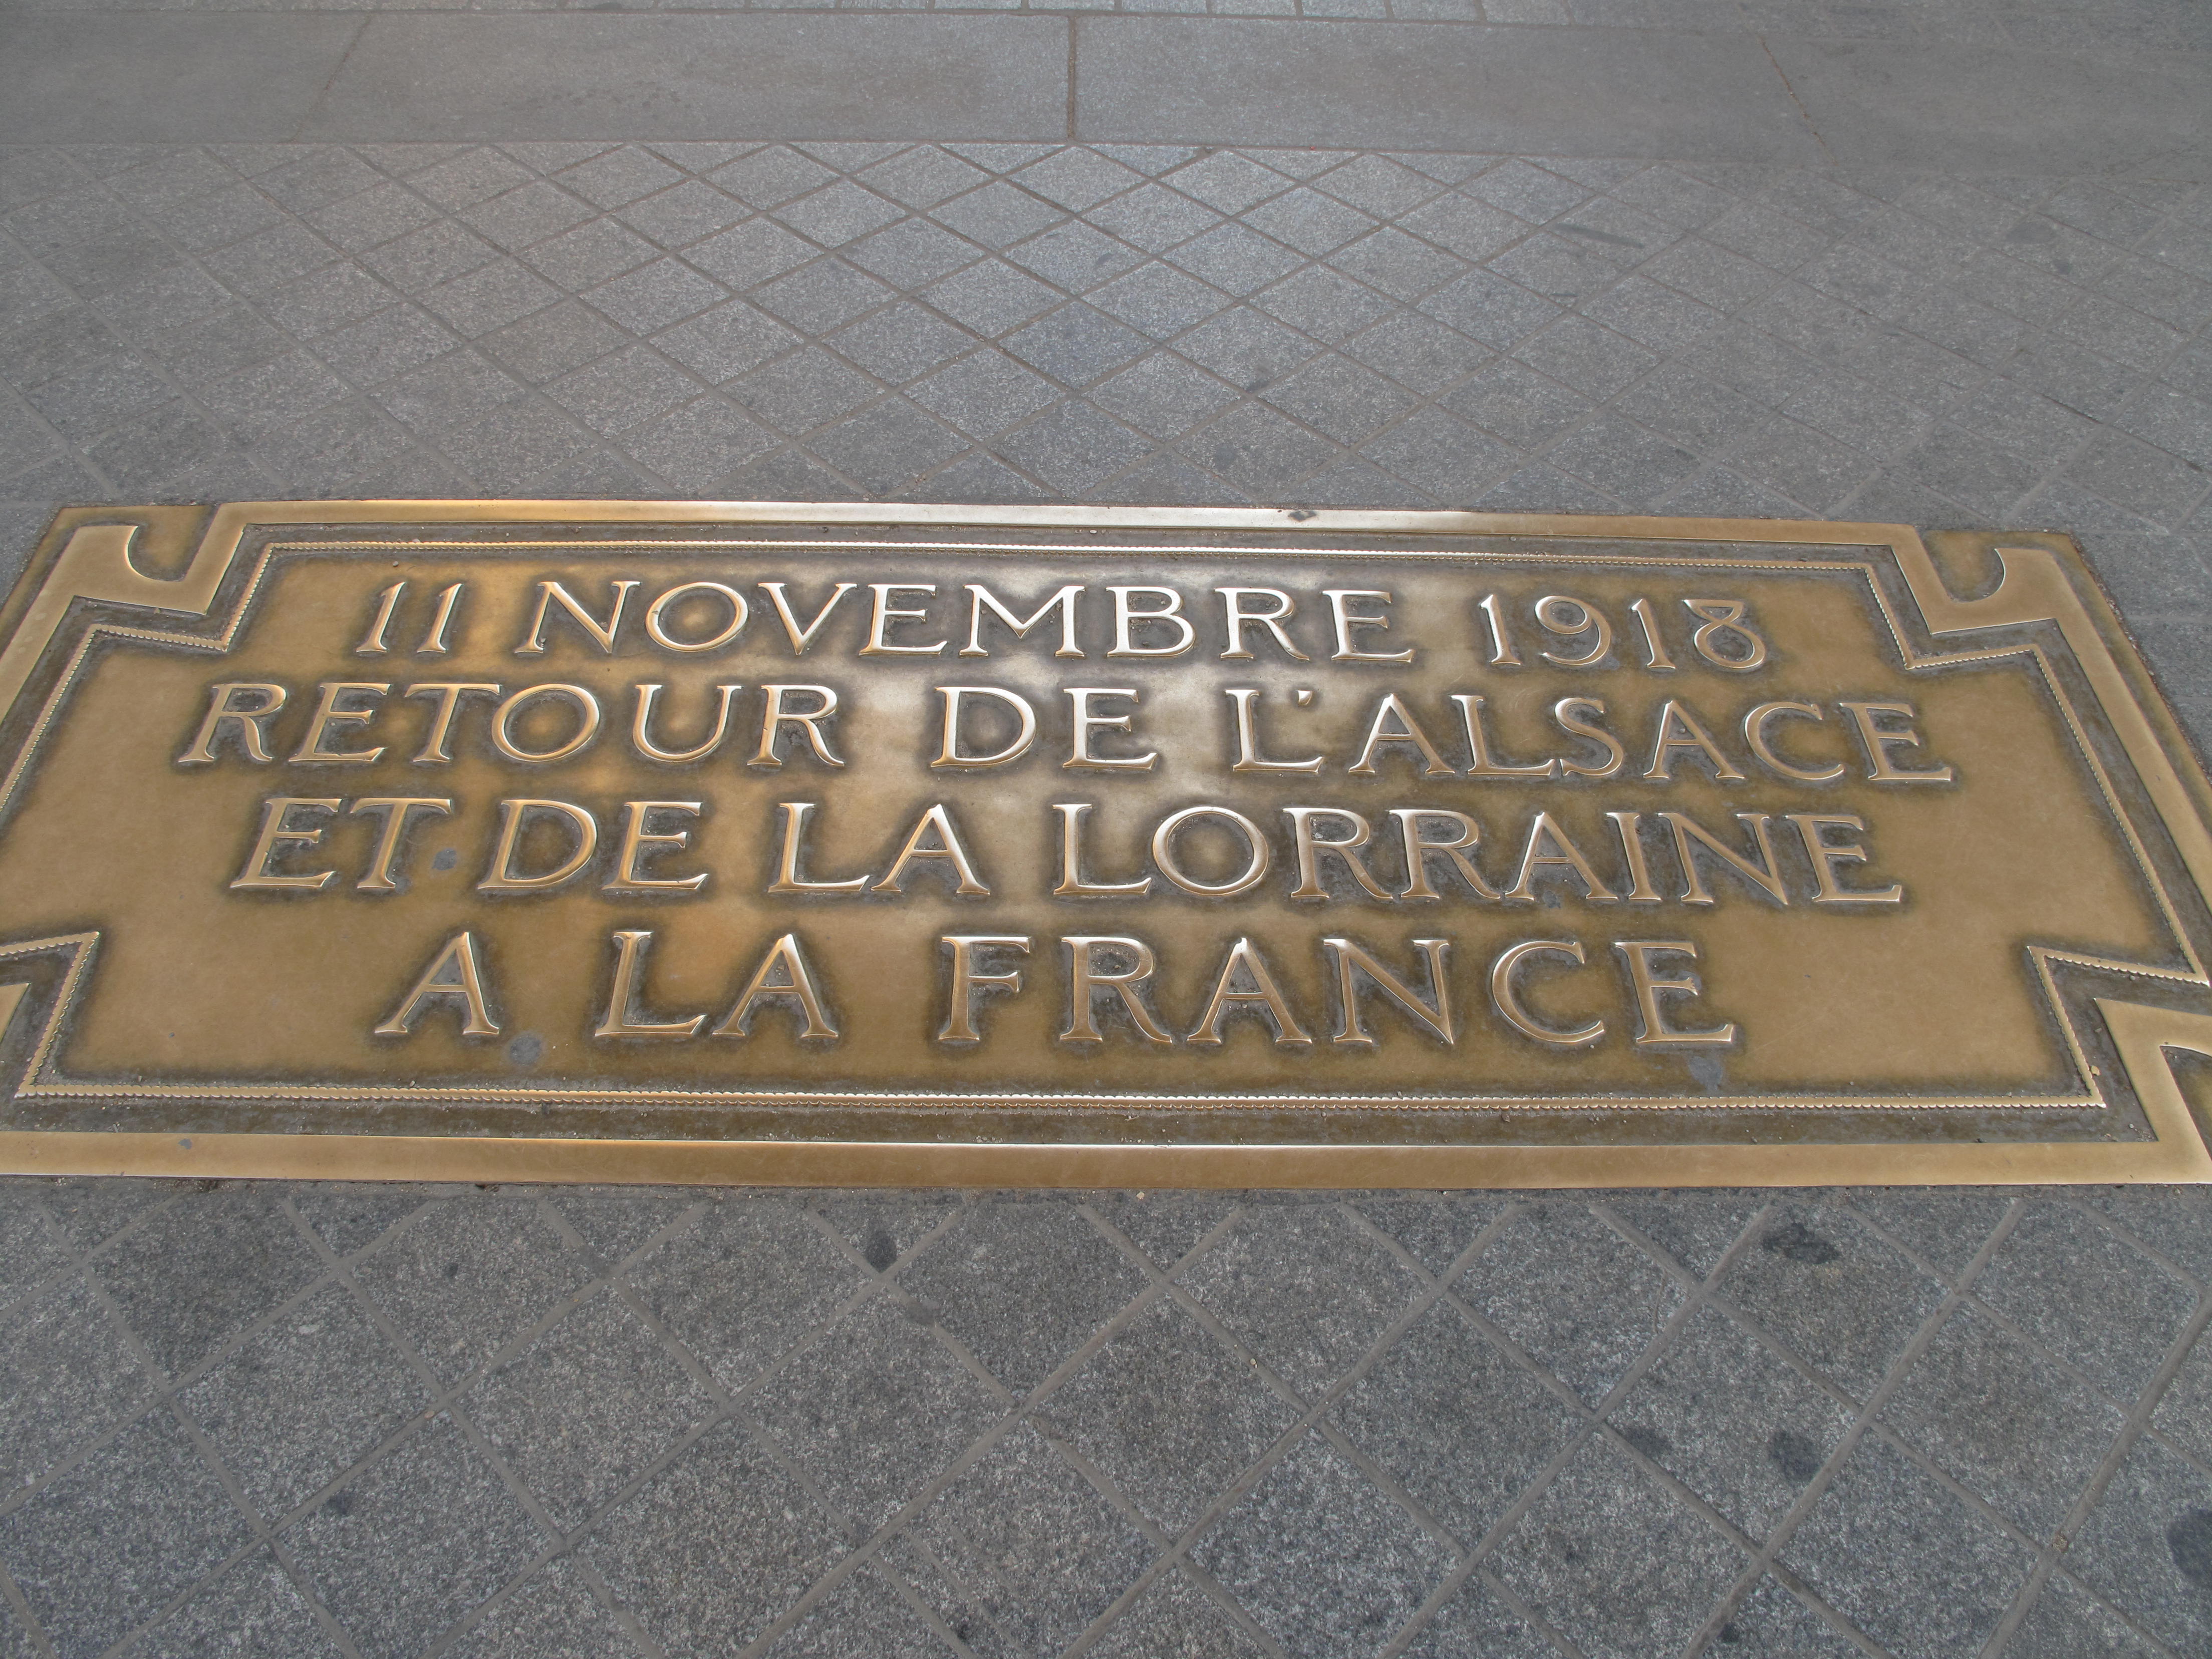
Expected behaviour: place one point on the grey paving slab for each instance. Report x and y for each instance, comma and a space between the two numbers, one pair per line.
130, 78
551, 76
1973, 109
1375, 86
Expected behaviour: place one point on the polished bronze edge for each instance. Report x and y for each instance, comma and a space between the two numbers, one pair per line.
906, 1164
2039, 583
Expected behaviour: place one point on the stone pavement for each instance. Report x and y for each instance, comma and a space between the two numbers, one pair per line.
322, 1419
1944, 262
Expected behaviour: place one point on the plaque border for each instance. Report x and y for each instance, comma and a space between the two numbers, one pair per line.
93, 554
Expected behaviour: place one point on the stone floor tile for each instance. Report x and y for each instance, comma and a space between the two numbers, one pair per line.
1313, 224
67, 1377
1034, 1545
685, 214
996, 216
2175, 1221
1905, 1560
490, 297
1165, 1225
1613, 1561
804, 391
986, 392
911, 253
254, 1611
205, 1266
1839, 1297
1340, 398
1732, 1423
1464, 1428
1154, 218
700, 443
1417, 352
1071, 448
1589, 1335
1159, 300
716, 345
840, 213
1771, 1623
413, 1542
1945, 1226
750, 252
1696, 1229
744, 1284
1167, 480
1022, 1284
1434, 1228
2184, 1414
1076, 345
469, 1275
876, 1409
886, 448
1258, 451
1473, 1620
585, 1407
2003, 1421
307, 1395
1304, 1288
2095, 1302
1511, 401
624, 389
618, 177
901, 343
1174, 1615
985, 477
716, 1547
885, 1226
1170, 1415
921, 176
1322, 1560
29, 1249
515, 220
2067, 1623
1075, 257
665, 292
863, 1614
553, 1615
1629, 463
2147, 1547
1594, 361
771, 176
1227, 181
100, 1550
1162, 394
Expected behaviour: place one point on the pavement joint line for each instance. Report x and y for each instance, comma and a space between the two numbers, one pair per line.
2133, 1429
167, 1397
1779, 1535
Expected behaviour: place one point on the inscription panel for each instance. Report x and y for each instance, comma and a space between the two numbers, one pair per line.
734, 841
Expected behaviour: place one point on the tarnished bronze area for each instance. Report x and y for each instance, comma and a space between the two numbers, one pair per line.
615, 841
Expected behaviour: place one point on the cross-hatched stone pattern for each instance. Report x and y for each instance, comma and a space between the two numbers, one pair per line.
1147, 324
387, 1421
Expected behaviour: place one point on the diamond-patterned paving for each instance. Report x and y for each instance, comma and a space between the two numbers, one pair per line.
822, 1424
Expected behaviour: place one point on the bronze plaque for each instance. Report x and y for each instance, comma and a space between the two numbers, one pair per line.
737, 842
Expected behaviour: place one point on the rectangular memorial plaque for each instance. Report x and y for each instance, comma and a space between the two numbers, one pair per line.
684, 841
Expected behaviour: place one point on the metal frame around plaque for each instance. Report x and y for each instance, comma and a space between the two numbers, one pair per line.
178, 580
